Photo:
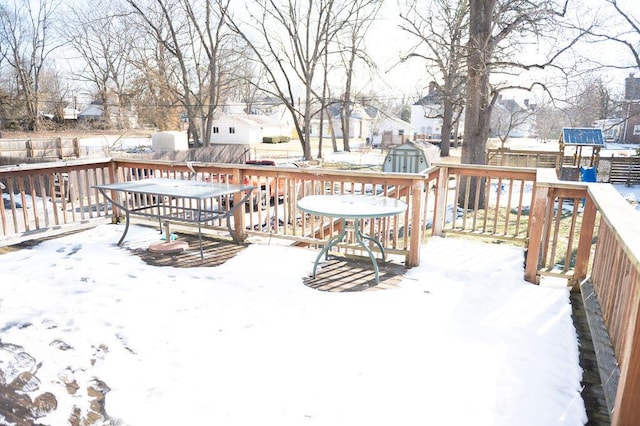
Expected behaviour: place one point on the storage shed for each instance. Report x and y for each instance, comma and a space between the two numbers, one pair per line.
573, 142
409, 157
169, 141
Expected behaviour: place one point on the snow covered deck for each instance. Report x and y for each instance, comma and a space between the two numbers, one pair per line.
461, 339
572, 231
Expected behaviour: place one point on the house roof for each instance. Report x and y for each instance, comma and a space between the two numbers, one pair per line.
396, 121
434, 96
93, 110
256, 120
511, 105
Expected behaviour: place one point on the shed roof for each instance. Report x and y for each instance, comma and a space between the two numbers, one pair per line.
582, 136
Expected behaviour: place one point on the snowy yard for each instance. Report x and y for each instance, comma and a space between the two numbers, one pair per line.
463, 340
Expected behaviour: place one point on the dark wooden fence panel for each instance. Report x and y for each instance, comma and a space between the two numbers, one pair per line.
624, 170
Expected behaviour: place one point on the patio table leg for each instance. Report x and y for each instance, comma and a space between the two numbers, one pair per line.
122, 207
332, 242
126, 227
360, 239
200, 229
229, 213
375, 240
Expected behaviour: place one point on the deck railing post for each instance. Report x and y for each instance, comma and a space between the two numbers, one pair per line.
441, 201
536, 226
584, 243
113, 173
417, 227
238, 214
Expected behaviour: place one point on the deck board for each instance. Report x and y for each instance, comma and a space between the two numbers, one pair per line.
592, 392
338, 274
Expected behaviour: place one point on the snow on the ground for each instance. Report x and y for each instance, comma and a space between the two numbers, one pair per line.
463, 340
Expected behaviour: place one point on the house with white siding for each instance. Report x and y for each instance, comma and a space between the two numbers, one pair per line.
360, 123
426, 115
121, 118
390, 131
232, 126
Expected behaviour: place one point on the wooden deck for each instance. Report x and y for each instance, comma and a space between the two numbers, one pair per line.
340, 274
216, 252
337, 274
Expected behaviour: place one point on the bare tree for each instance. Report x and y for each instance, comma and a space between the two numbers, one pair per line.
157, 95
549, 120
358, 20
508, 117
54, 95
592, 101
440, 30
497, 30
26, 37
289, 42
194, 55
100, 36
627, 34
250, 78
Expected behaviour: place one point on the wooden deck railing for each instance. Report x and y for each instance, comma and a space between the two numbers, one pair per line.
604, 239
615, 279
503, 212
574, 231
563, 225
48, 198
273, 212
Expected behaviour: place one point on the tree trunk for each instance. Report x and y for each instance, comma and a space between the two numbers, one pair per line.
345, 117
445, 135
479, 103
306, 138
321, 132
334, 142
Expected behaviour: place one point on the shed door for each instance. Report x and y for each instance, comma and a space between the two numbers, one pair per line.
406, 161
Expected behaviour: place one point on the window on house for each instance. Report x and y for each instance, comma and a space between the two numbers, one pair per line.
216, 130
232, 129
636, 130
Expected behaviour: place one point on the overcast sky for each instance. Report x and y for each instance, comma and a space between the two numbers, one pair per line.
387, 41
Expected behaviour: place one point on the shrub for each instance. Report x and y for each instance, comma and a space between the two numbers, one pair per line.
275, 139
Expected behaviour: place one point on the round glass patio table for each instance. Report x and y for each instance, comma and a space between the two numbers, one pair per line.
353, 208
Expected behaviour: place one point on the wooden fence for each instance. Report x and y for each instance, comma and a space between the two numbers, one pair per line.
14, 151
575, 231
615, 170
623, 170
506, 157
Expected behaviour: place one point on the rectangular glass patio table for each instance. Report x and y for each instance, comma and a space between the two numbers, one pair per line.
353, 208
163, 191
